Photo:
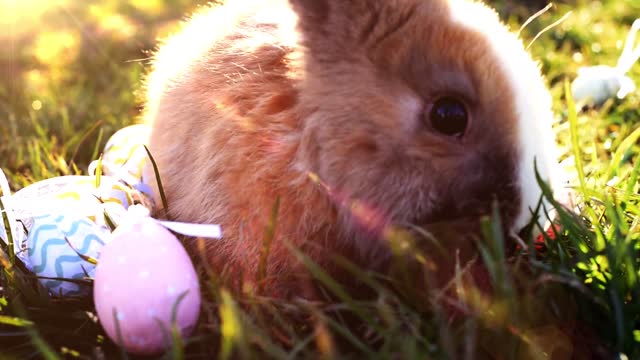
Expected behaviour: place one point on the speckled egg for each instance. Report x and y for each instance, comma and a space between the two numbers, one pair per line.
141, 275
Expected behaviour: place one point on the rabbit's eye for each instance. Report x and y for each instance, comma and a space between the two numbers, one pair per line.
448, 116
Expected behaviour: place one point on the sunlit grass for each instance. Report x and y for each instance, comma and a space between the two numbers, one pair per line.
70, 76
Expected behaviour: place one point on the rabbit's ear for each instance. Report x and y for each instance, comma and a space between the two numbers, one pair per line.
333, 16
332, 24
312, 12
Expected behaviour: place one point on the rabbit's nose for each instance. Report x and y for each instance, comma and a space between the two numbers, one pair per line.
489, 177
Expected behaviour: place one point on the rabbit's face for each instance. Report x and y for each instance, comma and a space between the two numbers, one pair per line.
425, 111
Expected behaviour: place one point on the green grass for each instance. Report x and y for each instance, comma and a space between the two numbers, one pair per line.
70, 75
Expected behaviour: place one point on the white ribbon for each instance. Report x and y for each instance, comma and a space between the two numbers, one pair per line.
137, 213
6, 194
194, 230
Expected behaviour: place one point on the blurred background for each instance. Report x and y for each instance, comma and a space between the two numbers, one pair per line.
70, 70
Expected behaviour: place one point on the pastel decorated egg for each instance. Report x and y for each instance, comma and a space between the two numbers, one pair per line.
54, 247
58, 223
74, 193
142, 274
125, 157
125, 149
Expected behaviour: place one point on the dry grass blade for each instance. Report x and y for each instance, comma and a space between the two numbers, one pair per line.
535, 16
551, 26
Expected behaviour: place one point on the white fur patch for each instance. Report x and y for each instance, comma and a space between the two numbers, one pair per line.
532, 103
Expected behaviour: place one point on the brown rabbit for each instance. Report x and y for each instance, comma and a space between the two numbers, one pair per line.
420, 111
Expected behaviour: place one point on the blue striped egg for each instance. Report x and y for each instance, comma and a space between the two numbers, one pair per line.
53, 245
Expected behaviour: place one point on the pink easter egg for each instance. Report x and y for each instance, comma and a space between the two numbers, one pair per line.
139, 278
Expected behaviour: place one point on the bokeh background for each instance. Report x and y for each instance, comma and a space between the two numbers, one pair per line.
70, 74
